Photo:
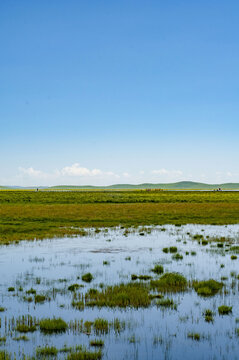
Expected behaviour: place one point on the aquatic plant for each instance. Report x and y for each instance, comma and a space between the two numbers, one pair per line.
106, 262
208, 315
173, 249
31, 291
85, 355
158, 269
166, 303
177, 256
24, 328
4, 355
53, 325
233, 257
21, 338
207, 287
170, 282
140, 277
224, 310
194, 336
40, 299
87, 277
97, 343
46, 351
73, 287
122, 295
101, 326
11, 289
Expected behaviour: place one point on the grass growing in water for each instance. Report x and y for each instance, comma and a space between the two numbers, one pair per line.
158, 269
208, 315
73, 287
194, 336
166, 303
46, 351
53, 325
122, 295
97, 343
170, 282
224, 310
87, 277
85, 355
208, 287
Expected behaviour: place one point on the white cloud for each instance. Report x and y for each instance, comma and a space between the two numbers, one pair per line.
66, 174
167, 172
77, 170
31, 172
126, 175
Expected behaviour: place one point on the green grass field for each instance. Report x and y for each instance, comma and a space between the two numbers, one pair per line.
37, 215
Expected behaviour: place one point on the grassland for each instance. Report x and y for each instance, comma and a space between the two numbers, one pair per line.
37, 215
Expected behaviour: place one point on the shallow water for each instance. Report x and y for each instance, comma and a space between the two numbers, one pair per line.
149, 333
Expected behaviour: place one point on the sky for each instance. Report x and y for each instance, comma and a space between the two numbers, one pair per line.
102, 92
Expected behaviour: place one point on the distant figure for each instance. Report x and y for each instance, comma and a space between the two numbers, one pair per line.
37, 189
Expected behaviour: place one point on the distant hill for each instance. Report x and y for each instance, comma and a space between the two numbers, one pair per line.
182, 185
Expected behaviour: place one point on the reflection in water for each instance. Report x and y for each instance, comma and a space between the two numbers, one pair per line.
50, 266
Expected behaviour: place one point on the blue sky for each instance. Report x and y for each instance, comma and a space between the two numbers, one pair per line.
102, 92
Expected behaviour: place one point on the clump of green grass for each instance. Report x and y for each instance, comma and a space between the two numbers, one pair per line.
46, 351
173, 249
105, 262
85, 355
165, 250
140, 277
21, 338
2, 309
3, 339
53, 325
208, 315
123, 295
128, 258
235, 249
101, 326
158, 269
87, 277
198, 237
97, 343
194, 336
73, 287
79, 305
177, 256
28, 299
166, 303
170, 282
4, 355
193, 253
31, 291
11, 289
233, 257
40, 299
24, 328
207, 287
224, 310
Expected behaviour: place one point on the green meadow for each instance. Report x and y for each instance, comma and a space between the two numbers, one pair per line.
26, 214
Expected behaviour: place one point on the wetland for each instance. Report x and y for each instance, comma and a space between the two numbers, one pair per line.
145, 292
